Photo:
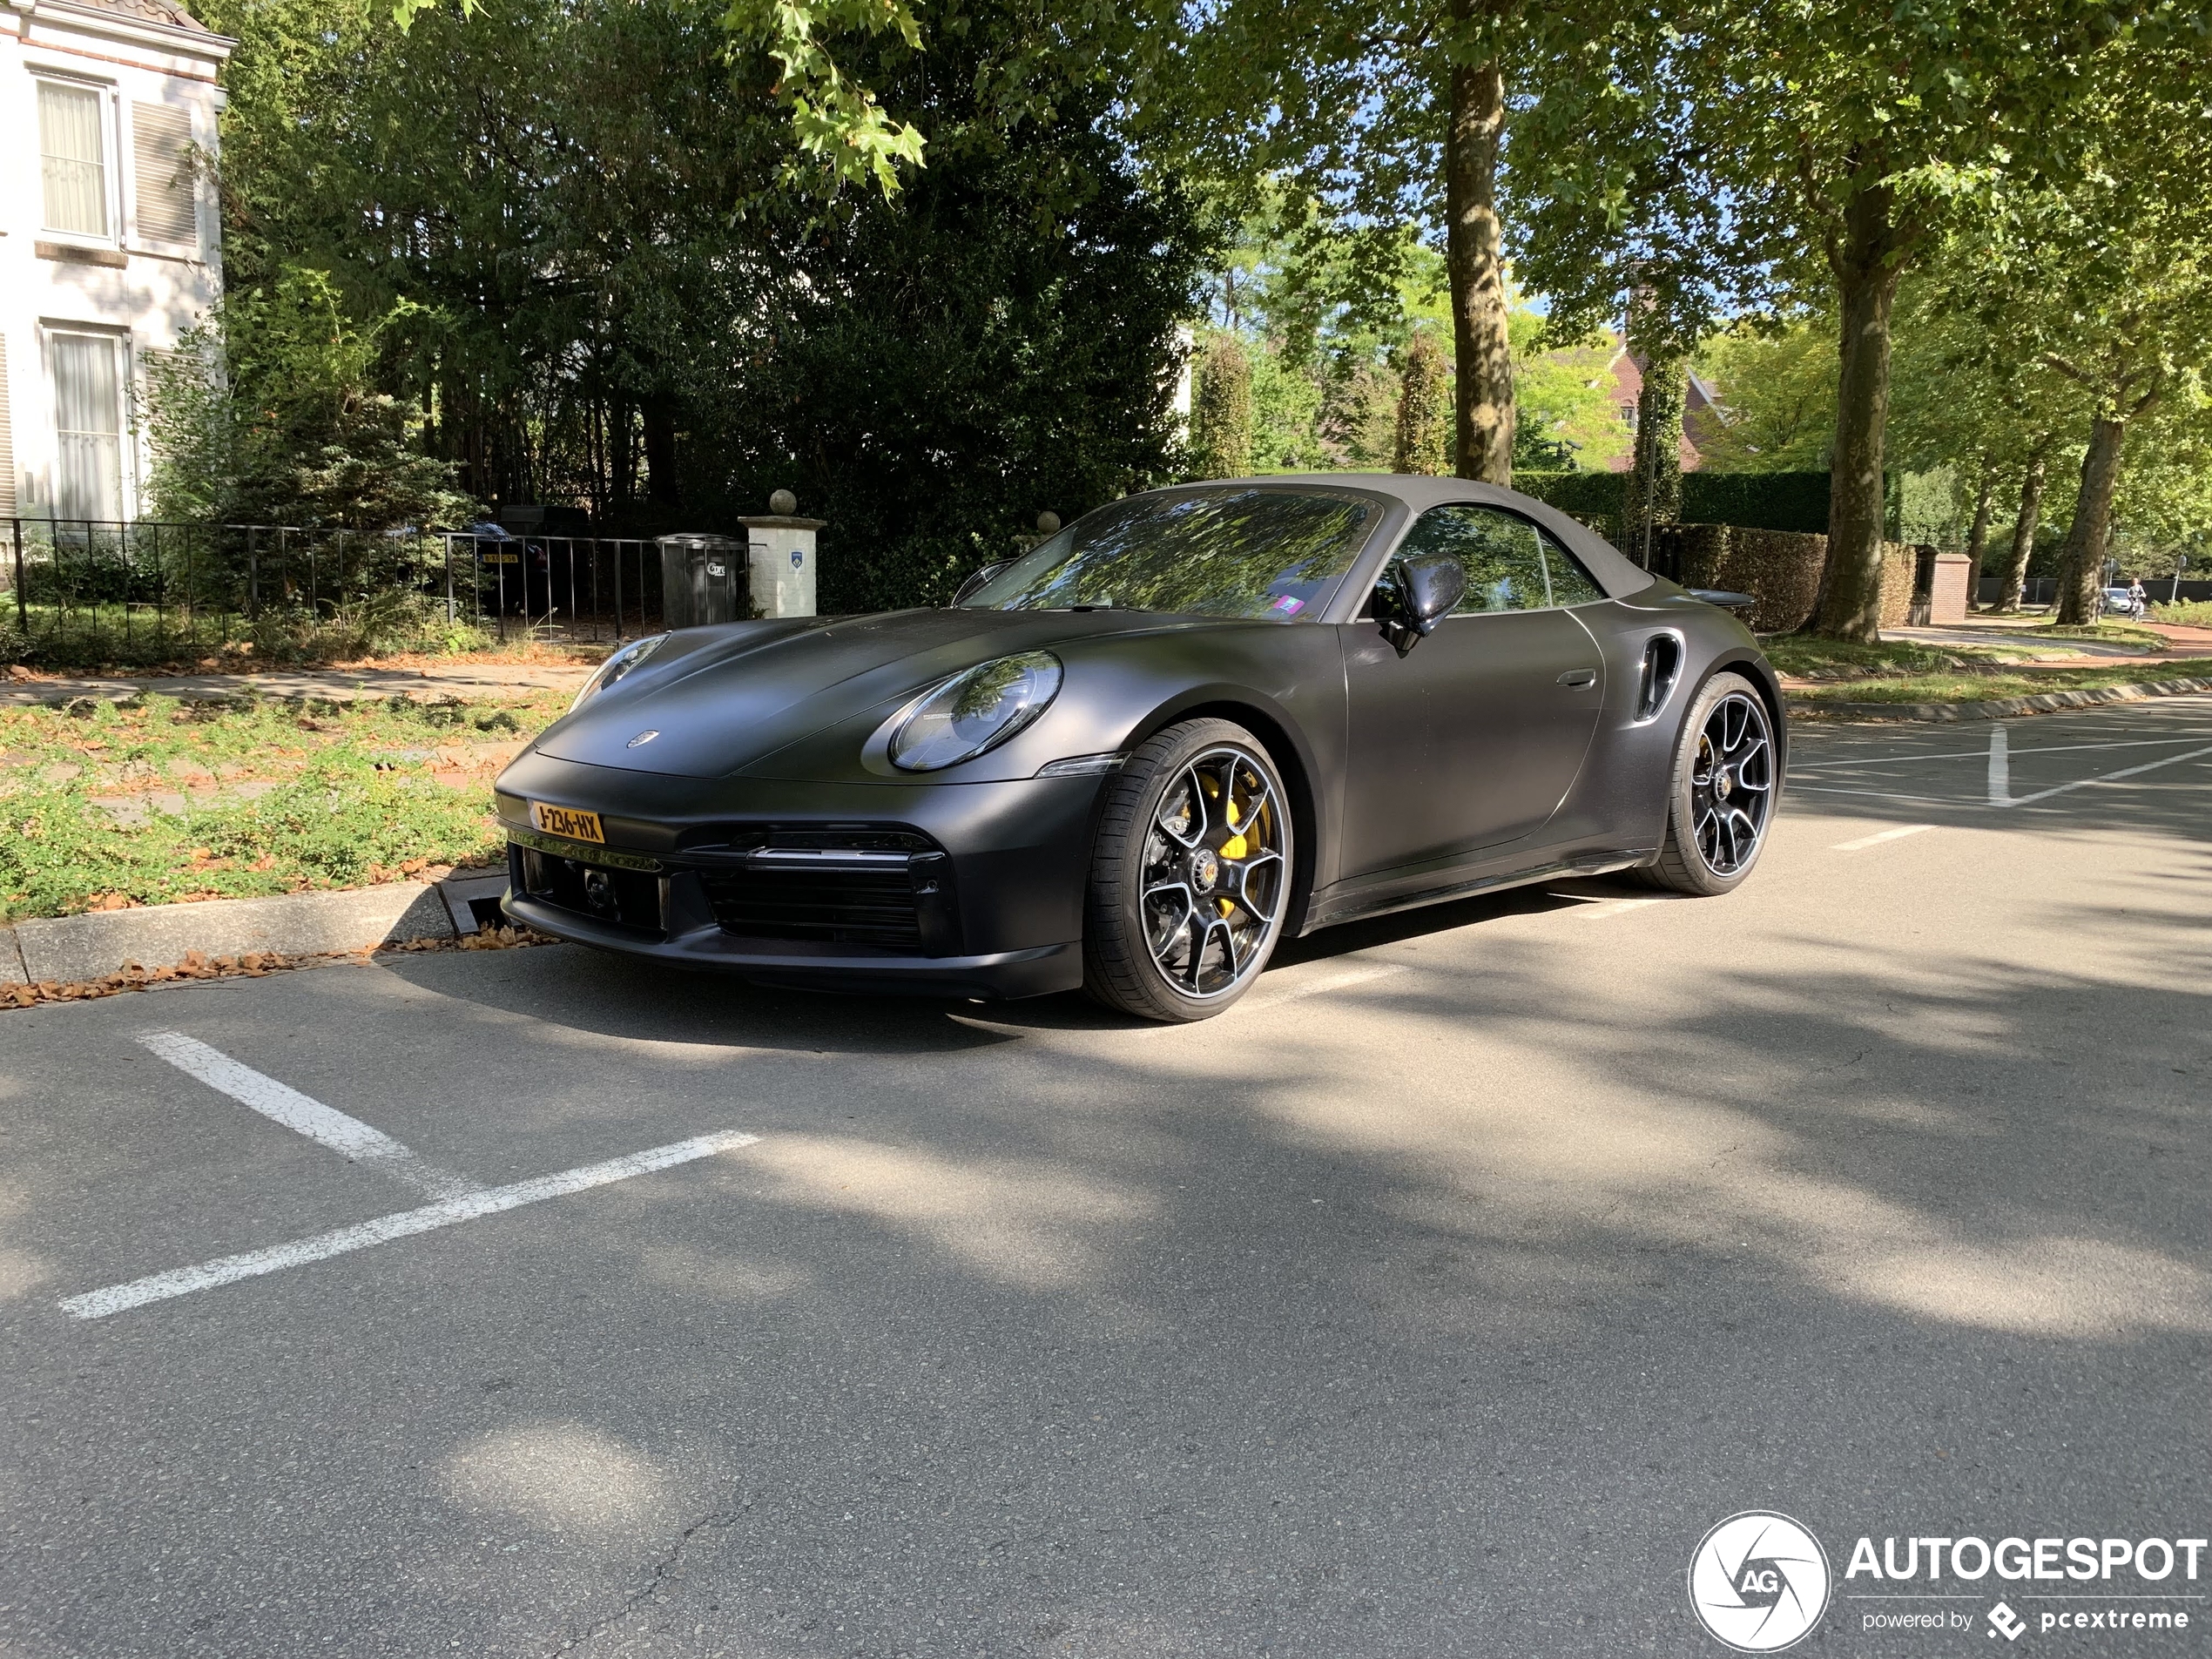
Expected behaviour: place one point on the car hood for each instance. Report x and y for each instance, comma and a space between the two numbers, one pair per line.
719, 700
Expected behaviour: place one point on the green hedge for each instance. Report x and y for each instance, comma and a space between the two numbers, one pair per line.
1582, 494
1757, 501
1760, 501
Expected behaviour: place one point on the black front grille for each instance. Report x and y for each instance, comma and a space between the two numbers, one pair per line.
843, 906
627, 898
878, 885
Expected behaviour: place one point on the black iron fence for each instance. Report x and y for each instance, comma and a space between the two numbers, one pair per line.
85, 588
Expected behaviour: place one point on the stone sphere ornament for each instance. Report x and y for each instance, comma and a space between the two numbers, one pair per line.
1048, 523
783, 503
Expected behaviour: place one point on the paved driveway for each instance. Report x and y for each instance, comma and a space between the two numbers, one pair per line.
1437, 1301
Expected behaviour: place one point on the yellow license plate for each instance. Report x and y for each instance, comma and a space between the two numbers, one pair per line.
567, 822
502, 558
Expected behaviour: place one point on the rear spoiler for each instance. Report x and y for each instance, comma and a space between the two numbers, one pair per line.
1725, 600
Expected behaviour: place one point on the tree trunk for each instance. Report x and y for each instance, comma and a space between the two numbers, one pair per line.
1653, 491
623, 449
2024, 529
662, 486
1420, 447
1482, 352
1866, 268
1978, 538
2081, 567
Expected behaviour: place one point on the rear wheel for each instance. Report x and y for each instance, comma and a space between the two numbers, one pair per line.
1190, 876
1721, 799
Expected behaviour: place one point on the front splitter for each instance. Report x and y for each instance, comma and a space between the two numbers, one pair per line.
1039, 971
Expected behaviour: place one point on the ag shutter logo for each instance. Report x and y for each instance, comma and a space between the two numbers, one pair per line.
1758, 1582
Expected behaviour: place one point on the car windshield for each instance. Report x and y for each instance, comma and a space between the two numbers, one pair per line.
1270, 554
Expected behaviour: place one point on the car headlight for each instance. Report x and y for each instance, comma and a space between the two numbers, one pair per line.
972, 711
616, 666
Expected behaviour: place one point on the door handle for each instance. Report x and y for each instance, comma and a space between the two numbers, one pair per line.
1579, 677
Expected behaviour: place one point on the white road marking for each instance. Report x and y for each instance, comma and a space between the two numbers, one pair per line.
485, 1201
1259, 1001
1271, 998
1879, 794
347, 1137
1904, 757
1619, 907
2107, 778
2000, 767
1865, 841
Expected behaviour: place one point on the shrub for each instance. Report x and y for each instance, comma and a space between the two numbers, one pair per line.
1780, 568
1221, 411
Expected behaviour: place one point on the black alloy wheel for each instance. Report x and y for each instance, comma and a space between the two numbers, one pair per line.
1725, 784
1191, 874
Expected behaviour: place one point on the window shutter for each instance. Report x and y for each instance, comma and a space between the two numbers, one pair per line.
7, 441
161, 143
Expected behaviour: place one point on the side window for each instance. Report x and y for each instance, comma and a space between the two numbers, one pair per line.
1502, 554
1571, 583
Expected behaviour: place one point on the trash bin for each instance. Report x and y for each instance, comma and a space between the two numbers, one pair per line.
703, 579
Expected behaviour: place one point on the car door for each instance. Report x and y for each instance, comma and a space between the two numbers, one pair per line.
1472, 738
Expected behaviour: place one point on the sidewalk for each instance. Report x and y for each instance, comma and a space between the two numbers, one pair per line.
466, 680
2047, 652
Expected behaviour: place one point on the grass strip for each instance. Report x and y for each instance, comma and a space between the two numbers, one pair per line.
1979, 687
107, 805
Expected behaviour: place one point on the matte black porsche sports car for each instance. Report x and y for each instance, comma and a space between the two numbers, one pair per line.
1135, 758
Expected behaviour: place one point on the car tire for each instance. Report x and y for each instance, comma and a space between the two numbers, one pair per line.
1722, 793
1190, 875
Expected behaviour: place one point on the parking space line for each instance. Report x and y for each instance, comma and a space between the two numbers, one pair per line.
1905, 757
484, 1201
1618, 907
1865, 841
2000, 767
1316, 988
347, 1137
2107, 778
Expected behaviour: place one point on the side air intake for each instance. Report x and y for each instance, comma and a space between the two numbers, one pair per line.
1661, 668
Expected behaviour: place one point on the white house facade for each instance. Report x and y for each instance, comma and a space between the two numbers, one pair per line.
110, 238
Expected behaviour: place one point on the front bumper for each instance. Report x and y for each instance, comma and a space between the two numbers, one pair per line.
992, 878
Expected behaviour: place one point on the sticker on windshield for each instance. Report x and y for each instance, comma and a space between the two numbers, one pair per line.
1287, 605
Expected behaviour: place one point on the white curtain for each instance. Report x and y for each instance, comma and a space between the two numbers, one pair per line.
71, 119
88, 428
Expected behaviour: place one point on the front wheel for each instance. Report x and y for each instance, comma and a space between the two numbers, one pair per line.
1190, 876
1721, 801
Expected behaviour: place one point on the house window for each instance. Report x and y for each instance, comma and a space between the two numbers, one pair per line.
72, 146
88, 426
1628, 416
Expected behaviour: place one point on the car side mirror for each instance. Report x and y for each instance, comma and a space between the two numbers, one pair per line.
1435, 583
975, 583
1427, 588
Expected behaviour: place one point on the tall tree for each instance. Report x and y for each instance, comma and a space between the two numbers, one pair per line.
2104, 277
1387, 116
1827, 147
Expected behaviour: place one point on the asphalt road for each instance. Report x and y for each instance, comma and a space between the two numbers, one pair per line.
1436, 1302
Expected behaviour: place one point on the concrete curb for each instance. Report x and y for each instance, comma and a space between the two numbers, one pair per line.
65, 948
2041, 703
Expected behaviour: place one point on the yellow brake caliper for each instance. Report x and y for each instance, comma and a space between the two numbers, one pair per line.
1234, 847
